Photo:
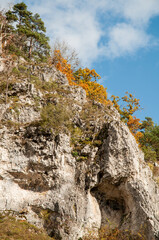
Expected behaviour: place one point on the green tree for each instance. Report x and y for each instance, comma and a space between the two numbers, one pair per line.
32, 41
6, 33
150, 139
146, 123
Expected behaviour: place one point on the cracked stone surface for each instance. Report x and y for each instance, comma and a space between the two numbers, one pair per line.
43, 182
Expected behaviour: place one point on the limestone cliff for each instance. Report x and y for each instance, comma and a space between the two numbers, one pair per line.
70, 171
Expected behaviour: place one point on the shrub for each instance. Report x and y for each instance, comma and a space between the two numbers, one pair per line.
10, 228
42, 85
55, 116
15, 72
107, 233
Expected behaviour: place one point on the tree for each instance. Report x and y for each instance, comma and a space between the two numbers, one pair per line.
2, 31
87, 79
146, 123
149, 141
6, 34
67, 53
30, 30
130, 106
38, 42
63, 66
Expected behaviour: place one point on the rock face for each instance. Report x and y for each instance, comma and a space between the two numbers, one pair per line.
65, 182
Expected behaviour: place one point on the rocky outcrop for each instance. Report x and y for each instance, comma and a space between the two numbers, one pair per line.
72, 180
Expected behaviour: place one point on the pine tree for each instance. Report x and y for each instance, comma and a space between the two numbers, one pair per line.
31, 39
6, 34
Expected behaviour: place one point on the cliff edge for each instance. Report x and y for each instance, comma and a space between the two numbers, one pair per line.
68, 164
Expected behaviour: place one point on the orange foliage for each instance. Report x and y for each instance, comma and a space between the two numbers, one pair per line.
62, 65
87, 79
131, 105
134, 126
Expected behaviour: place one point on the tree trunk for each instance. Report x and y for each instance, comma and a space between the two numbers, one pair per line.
1, 45
30, 47
1, 39
7, 89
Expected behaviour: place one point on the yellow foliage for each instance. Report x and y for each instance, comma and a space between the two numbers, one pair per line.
131, 106
85, 78
134, 126
62, 65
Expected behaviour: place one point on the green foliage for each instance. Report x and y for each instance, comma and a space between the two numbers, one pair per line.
29, 33
55, 116
76, 134
149, 153
22, 68
3, 85
15, 72
10, 124
10, 228
43, 85
108, 233
147, 123
150, 140
74, 153
146, 133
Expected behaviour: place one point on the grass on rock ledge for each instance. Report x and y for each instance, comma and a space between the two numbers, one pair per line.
12, 229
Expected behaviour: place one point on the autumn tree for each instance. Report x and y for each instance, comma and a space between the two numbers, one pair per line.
67, 53
129, 105
87, 79
63, 66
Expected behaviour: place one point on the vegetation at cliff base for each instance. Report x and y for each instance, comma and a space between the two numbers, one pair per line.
11, 229
108, 233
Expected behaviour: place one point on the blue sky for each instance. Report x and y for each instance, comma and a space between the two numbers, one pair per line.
118, 38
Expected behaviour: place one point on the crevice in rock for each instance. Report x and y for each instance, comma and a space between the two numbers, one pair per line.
36, 179
53, 221
111, 202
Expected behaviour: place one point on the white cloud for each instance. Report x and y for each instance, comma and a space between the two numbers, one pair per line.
5, 4
125, 39
75, 24
79, 23
139, 11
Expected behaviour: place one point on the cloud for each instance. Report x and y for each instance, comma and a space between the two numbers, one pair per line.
124, 39
5, 4
138, 12
73, 22
109, 28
